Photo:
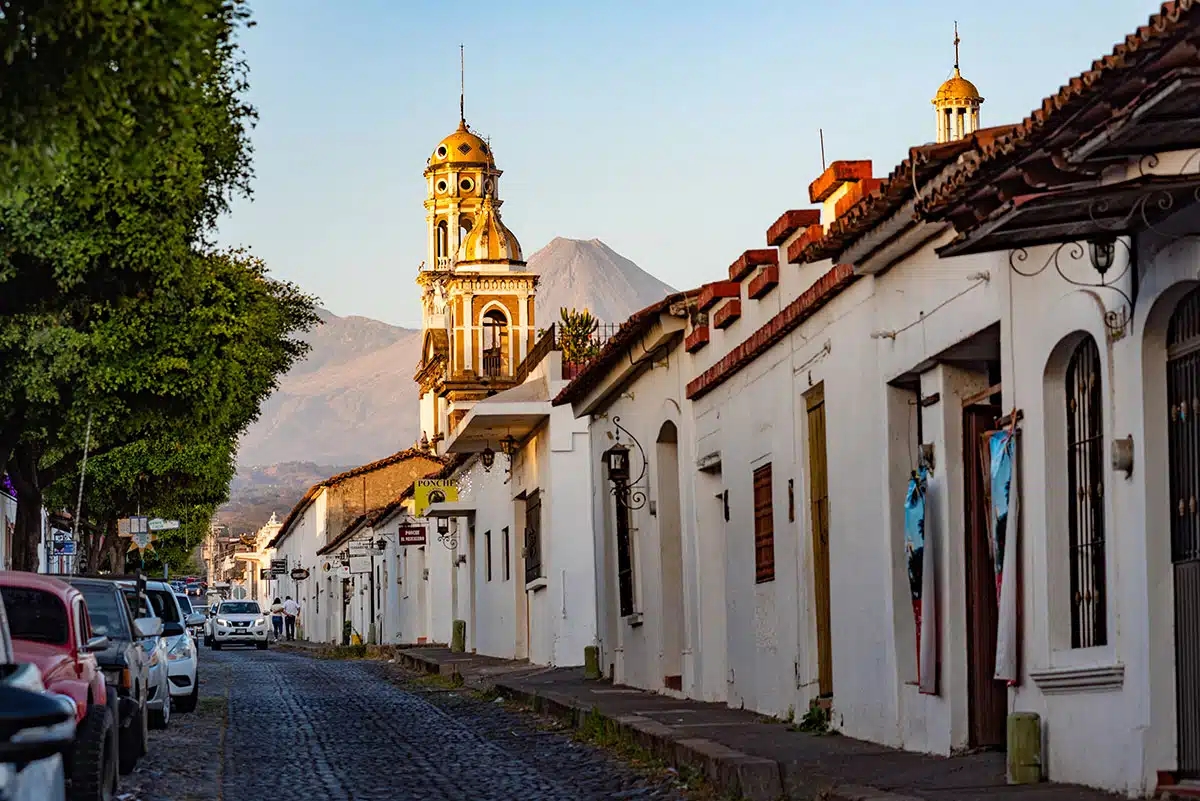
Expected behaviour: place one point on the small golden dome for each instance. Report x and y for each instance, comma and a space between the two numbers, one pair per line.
489, 239
461, 147
957, 89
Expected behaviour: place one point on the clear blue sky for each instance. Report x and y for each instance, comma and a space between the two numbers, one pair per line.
675, 132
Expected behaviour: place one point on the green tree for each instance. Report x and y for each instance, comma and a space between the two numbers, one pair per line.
168, 401
103, 256
102, 228
577, 335
76, 72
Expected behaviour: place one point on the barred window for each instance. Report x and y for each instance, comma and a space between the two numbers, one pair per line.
1085, 498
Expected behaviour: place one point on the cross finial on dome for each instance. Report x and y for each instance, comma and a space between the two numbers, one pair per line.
462, 81
956, 41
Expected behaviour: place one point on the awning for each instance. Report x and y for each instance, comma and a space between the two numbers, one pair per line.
448, 509
513, 413
1078, 214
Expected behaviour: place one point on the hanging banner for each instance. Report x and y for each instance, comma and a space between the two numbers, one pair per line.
918, 546
433, 490
1006, 495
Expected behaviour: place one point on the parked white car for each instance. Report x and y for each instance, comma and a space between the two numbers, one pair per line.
182, 661
38, 728
158, 687
240, 623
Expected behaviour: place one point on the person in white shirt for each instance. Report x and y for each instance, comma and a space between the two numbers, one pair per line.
291, 611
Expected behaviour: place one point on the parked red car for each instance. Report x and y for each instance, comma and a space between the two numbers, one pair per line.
50, 628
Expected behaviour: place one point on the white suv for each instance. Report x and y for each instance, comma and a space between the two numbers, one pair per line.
181, 650
240, 623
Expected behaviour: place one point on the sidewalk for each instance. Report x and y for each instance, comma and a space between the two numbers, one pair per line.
742, 753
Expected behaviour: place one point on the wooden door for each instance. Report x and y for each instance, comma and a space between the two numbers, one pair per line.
987, 698
818, 480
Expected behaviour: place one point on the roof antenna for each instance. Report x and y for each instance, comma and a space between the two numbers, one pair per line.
462, 82
821, 133
956, 40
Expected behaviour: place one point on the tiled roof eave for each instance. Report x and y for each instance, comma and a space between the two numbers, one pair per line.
1062, 108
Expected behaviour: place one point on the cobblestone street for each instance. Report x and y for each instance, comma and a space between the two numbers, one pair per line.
280, 726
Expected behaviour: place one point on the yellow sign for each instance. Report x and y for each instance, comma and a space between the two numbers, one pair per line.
433, 490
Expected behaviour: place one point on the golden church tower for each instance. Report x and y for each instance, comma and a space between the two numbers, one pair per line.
957, 104
477, 296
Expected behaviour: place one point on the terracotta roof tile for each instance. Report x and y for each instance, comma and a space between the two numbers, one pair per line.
370, 467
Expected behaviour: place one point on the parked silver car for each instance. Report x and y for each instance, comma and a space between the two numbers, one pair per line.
158, 687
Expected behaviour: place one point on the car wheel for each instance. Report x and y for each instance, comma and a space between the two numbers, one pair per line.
94, 758
188, 703
262, 646
161, 718
133, 743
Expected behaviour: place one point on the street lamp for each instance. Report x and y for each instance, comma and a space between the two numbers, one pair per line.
487, 458
1102, 250
617, 459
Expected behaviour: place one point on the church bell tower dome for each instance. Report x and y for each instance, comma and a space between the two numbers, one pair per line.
490, 241
462, 147
957, 104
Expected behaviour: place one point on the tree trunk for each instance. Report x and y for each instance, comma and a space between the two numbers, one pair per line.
27, 533
119, 550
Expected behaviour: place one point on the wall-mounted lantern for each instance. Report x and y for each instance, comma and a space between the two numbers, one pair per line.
1102, 250
487, 458
444, 536
628, 492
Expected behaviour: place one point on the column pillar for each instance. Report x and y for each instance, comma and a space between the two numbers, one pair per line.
432, 262
466, 325
523, 325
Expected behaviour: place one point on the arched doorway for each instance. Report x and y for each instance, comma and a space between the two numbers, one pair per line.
495, 343
670, 543
1183, 446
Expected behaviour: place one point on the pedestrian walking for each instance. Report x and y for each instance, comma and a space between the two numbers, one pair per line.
291, 611
277, 619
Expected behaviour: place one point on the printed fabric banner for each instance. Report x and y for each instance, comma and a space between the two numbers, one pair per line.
918, 546
1005, 510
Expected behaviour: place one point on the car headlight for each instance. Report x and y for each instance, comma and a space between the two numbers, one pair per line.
262, 621
154, 660
182, 649
222, 622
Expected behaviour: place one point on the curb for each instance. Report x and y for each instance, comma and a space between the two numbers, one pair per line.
728, 770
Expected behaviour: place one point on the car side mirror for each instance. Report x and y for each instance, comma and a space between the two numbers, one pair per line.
35, 725
172, 629
147, 627
98, 643
195, 619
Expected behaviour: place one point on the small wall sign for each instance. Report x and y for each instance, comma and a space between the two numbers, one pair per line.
411, 535
299, 574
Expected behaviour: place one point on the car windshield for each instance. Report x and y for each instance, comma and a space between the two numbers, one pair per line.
239, 608
35, 615
137, 606
164, 605
184, 604
105, 612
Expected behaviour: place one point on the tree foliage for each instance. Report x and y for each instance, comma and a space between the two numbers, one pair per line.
206, 368
125, 135
577, 336
79, 74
